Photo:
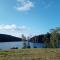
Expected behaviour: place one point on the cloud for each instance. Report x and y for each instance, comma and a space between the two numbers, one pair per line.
7, 27
24, 5
47, 3
12, 29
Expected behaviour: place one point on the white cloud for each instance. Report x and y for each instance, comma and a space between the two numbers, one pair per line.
46, 3
24, 5
13, 29
6, 27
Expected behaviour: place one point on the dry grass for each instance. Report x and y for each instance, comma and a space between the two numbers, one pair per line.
30, 54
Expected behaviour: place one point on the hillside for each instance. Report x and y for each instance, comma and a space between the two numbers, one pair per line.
41, 38
37, 39
8, 38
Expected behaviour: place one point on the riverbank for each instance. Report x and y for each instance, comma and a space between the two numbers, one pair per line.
30, 54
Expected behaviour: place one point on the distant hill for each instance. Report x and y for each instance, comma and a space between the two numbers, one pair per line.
37, 39
8, 38
41, 38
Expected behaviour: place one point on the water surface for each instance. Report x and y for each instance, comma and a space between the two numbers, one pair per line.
8, 45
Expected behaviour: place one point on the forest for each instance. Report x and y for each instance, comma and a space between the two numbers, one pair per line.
51, 39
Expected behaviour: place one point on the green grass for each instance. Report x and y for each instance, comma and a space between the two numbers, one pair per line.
30, 54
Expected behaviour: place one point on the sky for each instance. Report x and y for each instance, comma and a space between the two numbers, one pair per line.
28, 17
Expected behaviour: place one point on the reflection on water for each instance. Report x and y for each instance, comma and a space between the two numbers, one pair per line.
8, 45
37, 45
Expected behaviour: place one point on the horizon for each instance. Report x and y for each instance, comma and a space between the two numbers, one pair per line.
28, 17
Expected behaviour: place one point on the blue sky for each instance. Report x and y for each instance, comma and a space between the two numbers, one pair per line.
29, 16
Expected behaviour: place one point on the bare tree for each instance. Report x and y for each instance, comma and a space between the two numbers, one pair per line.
24, 41
28, 43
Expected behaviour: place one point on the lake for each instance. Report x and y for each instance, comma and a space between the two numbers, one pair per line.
8, 45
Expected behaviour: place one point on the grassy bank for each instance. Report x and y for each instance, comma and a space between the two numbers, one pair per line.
30, 54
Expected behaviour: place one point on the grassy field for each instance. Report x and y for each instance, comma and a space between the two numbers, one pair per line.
30, 54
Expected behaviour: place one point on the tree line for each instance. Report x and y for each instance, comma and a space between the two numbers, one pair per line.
51, 39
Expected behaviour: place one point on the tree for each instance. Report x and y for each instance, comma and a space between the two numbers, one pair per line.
54, 37
47, 40
24, 41
28, 44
